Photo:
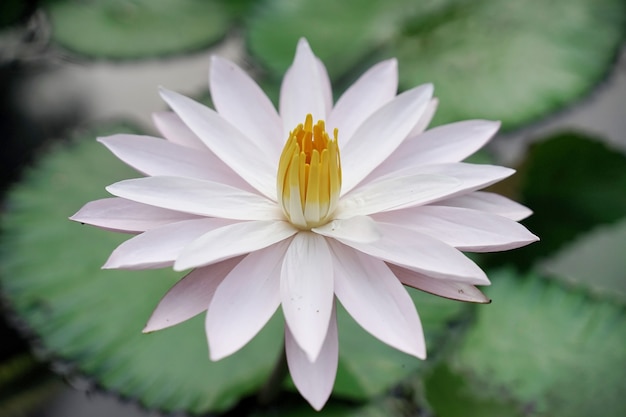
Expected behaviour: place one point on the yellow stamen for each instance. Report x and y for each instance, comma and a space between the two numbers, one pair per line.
309, 175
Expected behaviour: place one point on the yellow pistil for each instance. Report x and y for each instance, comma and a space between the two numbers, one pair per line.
309, 175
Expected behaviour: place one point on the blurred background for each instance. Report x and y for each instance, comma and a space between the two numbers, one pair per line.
551, 344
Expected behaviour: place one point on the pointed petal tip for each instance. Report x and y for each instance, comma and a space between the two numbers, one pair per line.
217, 60
417, 348
303, 43
165, 93
216, 356
109, 264
317, 404
180, 266
218, 352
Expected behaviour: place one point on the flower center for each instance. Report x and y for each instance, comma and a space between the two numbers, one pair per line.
309, 175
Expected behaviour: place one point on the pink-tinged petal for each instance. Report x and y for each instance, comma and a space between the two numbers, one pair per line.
421, 253
306, 291
158, 248
176, 131
443, 288
314, 379
358, 229
443, 144
465, 229
153, 156
238, 99
249, 159
119, 214
427, 117
245, 301
392, 193
376, 300
206, 198
232, 240
303, 90
380, 134
372, 90
490, 203
190, 296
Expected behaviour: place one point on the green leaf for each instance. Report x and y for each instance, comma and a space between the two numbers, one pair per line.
451, 395
595, 262
513, 61
572, 183
554, 352
137, 28
50, 273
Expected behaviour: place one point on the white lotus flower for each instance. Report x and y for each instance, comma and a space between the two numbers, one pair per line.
263, 209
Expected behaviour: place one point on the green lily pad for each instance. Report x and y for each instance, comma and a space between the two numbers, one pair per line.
554, 352
501, 60
50, 272
573, 183
595, 262
92, 318
451, 395
136, 28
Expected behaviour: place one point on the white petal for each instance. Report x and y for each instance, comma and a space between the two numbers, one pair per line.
443, 144
306, 291
489, 202
468, 177
426, 118
381, 134
255, 164
327, 89
372, 90
158, 248
465, 229
232, 240
392, 193
444, 288
357, 228
303, 90
206, 198
245, 301
314, 380
421, 253
153, 156
472, 176
123, 215
238, 99
190, 296
176, 131
376, 300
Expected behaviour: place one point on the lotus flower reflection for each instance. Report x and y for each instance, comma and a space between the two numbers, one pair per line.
299, 208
